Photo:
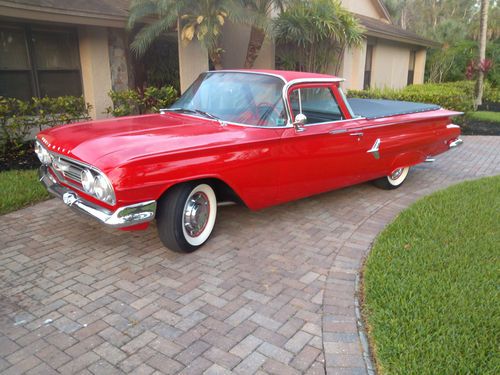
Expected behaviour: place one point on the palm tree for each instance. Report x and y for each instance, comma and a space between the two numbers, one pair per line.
200, 19
315, 33
259, 13
482, 53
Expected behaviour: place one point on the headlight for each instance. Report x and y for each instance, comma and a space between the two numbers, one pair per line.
42, 153
88, 181
98, 185
102, 189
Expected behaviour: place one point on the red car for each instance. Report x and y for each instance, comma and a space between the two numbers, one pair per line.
260, 138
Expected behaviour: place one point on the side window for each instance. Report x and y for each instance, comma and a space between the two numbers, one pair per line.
317, 103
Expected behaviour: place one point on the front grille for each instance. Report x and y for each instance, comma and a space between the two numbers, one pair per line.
67, 170
74, 171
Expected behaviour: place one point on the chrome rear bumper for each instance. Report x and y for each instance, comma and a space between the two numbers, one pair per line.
126, 216
457, 142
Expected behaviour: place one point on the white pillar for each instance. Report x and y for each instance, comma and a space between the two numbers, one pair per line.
193, 60
96, 73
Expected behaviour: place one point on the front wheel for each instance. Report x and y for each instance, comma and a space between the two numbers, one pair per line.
186, 216
394, 180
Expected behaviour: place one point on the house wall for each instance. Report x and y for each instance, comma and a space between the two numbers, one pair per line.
390, 65
420, 58
193, 60
353, 67
235, 41
365, 8
96, 72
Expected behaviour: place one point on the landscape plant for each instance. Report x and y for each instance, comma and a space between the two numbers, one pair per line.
430, 285
313, 35
137, 101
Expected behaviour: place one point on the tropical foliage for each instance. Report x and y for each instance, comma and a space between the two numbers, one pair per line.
456, 24
313, 34
201, 20
260, 22
451, 95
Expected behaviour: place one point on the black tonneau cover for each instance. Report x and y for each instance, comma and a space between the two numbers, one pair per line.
376, 108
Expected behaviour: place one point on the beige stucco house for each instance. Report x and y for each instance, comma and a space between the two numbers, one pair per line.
75, 47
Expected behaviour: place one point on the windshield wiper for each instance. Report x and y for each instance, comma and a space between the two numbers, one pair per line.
197, 111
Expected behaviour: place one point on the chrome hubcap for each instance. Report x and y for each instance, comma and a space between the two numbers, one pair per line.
196, 214
397, 173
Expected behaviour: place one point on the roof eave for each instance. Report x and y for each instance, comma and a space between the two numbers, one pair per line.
22, 11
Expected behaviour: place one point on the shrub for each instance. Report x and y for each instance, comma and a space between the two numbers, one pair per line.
451, 95
18, 118
149, 100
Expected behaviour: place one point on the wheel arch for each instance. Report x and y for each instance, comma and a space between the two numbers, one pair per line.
406, 159
223, 191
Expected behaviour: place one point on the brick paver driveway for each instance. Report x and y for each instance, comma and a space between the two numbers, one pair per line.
272, 292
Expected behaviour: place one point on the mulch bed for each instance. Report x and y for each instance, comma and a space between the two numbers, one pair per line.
25, 158
474, 127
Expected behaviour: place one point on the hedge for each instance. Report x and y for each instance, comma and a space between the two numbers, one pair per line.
451, 95
18, 118
149, 100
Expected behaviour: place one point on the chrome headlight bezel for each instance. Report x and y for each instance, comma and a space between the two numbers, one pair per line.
42, 154
97, 184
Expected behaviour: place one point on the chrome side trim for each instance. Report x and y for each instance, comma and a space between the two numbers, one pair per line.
375, 149
457, 142
126, 216
337, 131
452, 126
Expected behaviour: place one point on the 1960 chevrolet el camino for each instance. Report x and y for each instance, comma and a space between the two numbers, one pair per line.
260, 138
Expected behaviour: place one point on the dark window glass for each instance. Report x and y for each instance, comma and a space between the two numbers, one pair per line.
16, 84
318, 104
39, 62
59, 83
411, 68
368, 67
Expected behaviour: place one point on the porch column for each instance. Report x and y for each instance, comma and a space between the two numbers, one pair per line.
193, 60
420, 58
96, 72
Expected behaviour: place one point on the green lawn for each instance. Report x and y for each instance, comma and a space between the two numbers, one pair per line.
431, 285
484, 116
19, 189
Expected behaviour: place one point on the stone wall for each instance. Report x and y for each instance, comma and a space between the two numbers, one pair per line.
121, 72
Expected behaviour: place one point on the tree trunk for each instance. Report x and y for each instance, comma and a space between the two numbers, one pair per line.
482, 53
216, 58
257, 37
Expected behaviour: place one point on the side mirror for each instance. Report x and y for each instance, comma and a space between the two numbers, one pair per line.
300, 121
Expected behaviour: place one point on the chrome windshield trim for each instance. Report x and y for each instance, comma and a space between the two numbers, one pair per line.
247, 72
302, 80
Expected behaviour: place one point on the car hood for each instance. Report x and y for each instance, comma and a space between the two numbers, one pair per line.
121, 140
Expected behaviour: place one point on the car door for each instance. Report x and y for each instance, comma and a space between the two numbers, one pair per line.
325, 153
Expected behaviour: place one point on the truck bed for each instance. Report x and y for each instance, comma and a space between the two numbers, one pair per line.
377, 108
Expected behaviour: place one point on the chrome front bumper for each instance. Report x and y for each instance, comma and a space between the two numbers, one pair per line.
126, 216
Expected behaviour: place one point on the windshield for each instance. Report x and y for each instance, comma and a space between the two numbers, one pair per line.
251, 99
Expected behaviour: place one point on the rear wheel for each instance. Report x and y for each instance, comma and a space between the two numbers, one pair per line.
186, 216
394, 180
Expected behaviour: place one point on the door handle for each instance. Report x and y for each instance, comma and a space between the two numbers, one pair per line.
359, 134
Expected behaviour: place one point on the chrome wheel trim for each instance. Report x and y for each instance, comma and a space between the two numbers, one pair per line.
196, 213
398, 176
198, 216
